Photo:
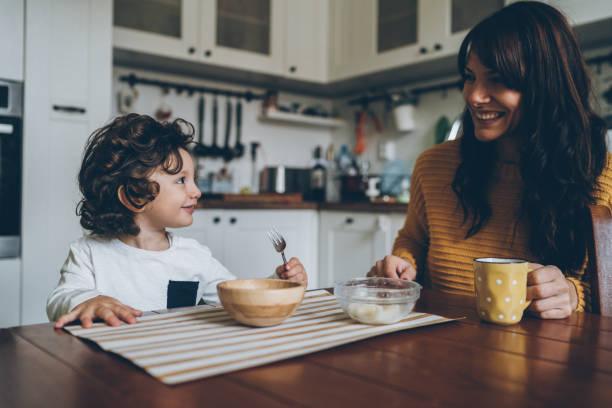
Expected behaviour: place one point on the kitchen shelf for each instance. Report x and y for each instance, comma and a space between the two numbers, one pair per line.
273, 115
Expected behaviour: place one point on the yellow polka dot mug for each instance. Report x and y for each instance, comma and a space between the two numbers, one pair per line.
501, 287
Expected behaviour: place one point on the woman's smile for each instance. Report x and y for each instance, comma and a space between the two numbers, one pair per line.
487, 116
189, 208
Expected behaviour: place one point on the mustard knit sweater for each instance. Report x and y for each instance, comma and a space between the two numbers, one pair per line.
433, 237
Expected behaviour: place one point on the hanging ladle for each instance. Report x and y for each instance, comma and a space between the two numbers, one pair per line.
200, 148
227, 152
238, 149
215, 150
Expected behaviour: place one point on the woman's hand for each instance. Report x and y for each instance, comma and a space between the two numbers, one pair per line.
552, 296
293, 271
393, 267
106, 308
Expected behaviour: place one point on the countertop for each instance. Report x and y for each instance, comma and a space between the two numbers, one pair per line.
303, 205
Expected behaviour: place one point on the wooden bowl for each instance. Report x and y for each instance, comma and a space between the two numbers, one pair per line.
260, 302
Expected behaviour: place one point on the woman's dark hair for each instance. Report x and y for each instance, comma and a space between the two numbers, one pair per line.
125, 153
562, 141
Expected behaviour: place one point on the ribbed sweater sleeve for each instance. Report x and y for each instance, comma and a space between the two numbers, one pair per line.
413, 239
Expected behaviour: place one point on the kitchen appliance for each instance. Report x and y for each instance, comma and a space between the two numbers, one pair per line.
281, 179
11, 108
353, 188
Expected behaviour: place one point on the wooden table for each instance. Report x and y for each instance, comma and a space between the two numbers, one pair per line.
465, 363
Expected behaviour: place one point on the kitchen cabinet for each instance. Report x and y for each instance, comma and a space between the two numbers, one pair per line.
10, 274
351, 242
307, 40
238, 239
376, 35
166, 28
230, 33
240, 34
68, 66
11, 39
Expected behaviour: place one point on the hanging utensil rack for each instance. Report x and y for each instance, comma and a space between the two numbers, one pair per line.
133, 79
365, 100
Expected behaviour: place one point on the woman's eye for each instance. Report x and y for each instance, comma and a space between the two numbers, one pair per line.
468, 77
181, 180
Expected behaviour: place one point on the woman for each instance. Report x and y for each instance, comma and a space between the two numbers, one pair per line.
519, 181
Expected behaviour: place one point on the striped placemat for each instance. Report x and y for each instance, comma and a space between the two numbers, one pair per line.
188, 345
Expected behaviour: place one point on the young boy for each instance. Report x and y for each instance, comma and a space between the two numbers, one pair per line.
137, 179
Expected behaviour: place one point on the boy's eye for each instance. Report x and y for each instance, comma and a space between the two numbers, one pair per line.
181, 180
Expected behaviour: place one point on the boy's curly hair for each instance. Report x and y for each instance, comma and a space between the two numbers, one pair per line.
125, 153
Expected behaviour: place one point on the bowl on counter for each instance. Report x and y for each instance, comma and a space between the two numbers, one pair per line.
377, 300
260, 302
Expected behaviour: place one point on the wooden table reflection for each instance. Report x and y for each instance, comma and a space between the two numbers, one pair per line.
464, 363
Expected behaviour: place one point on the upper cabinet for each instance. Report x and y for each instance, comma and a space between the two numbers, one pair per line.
243, 33
278, 37
374, 35
311, 40
307, 40
167, 28
11, 39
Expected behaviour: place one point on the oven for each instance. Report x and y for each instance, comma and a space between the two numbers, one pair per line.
11, 108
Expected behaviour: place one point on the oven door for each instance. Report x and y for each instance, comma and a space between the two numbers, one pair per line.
10, 186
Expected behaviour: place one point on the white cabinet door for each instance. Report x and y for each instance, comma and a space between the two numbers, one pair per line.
250, 38
307, 39
375, 35
212, 231
67, 96
350, 243
248, 252
11, 39
450, 21
398, 33
352, 34
165, 28
238, 239
10, 271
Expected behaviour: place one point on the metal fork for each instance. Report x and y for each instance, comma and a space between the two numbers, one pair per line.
278, 242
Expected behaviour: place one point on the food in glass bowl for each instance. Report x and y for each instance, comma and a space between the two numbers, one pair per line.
377, 300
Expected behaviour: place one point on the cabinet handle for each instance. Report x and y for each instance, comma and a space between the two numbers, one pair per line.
207, 53
437, 47
216, 220
292, 69
191, 50
423, 50
233, 220
349, 220
69, 109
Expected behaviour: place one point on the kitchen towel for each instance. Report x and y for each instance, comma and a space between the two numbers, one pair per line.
191, 344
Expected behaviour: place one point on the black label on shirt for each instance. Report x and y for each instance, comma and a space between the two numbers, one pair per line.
182, 293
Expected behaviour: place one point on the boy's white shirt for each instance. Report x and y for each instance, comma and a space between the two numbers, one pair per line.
136, 277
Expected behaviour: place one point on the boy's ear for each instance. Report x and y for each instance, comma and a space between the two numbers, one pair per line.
126, 202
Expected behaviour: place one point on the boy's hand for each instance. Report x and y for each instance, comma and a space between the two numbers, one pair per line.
106, 308
293, 271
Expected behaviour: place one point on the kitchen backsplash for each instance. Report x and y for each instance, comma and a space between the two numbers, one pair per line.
280, 144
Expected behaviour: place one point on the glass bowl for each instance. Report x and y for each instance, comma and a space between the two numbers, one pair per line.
377, 300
